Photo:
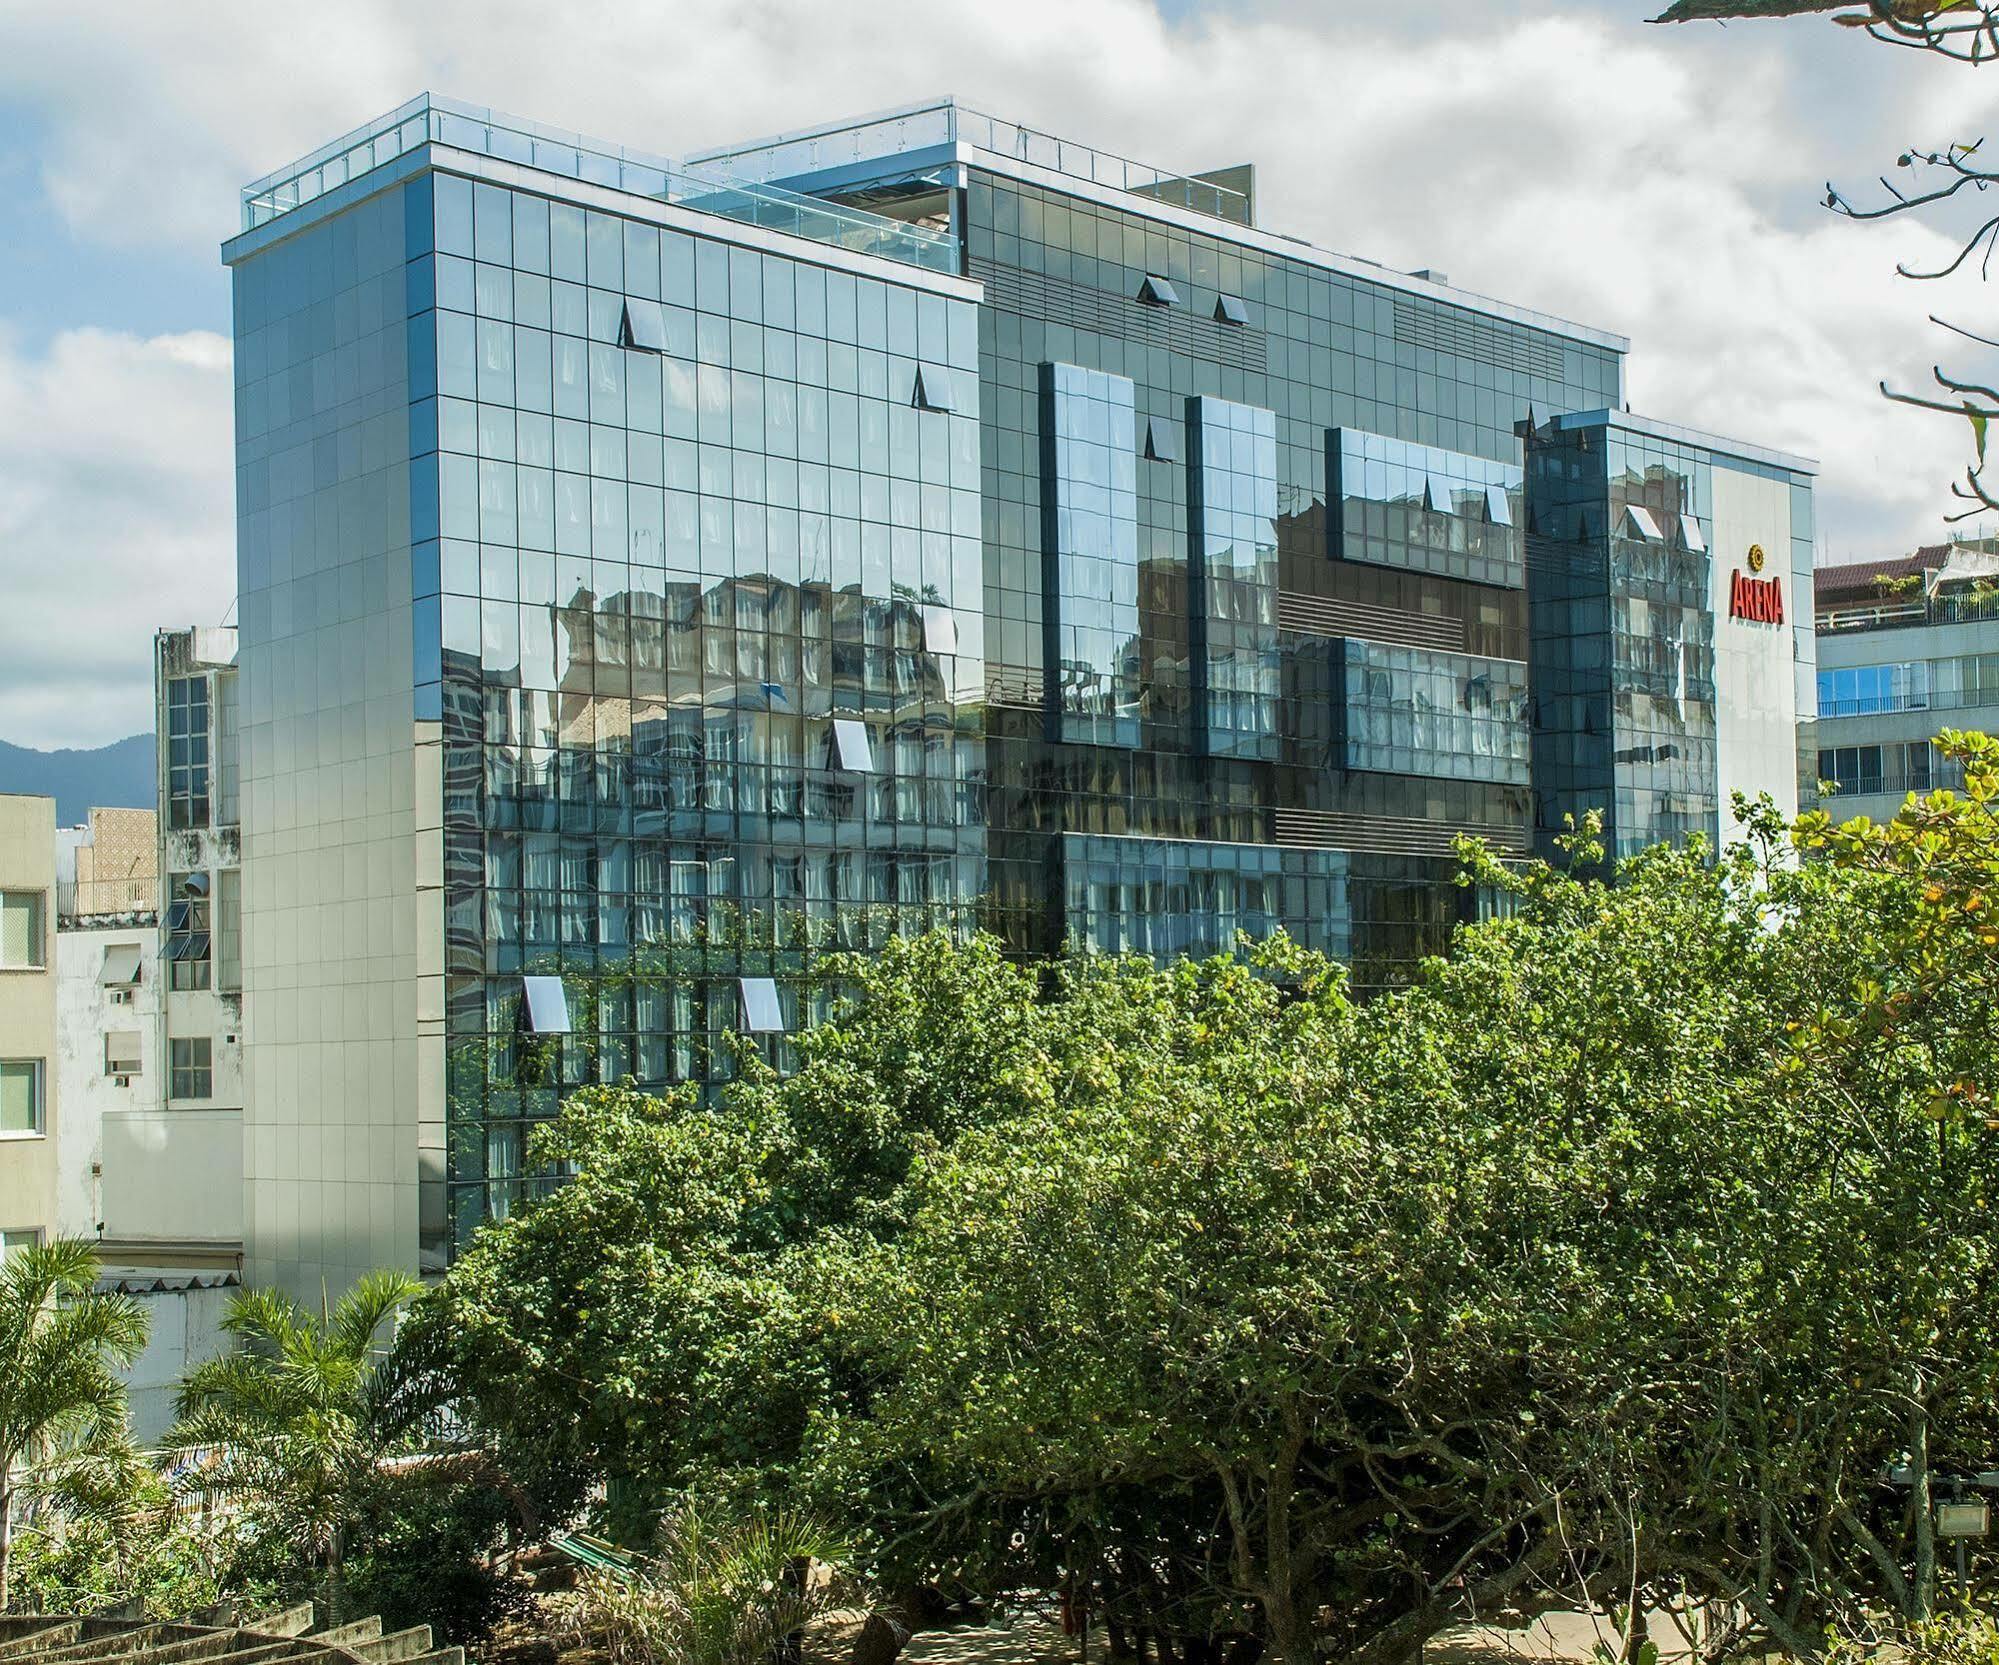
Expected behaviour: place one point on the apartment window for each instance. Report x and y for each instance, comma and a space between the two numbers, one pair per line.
187, 751
15, 1239
123, 1053
21, 1107
21, 940
193, 1068
188, 925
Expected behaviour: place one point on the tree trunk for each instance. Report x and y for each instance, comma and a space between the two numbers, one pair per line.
1922, 1588
1290, 1625
6, 1527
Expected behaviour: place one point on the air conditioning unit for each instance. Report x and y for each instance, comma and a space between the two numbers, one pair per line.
121, 1081
121, 997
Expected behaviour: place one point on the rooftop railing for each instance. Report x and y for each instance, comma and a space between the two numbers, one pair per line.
949, 122
1905, 611
700, 187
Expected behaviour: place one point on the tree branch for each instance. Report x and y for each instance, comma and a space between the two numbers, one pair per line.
1724, 11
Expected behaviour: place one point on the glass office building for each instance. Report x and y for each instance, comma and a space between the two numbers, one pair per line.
655, 575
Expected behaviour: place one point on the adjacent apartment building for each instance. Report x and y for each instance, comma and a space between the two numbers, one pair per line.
148, 1076
1907, 647
28, 1122
655, 575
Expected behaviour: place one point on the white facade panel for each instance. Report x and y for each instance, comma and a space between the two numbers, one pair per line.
1756, 718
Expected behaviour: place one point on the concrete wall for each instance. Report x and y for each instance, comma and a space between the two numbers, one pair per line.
86, 1013
160, 1187
1756, 729
186, 1329
28, 1015
173, 1180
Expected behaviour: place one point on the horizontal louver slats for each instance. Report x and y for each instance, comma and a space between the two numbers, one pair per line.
1311, 829
1315, 615
1451, 330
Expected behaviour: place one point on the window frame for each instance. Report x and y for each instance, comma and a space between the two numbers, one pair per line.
40, 1130
187, 970
192, 1071
189, 774
38, 930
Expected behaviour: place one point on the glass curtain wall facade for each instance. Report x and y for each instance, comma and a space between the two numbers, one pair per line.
1250, 739
1653, 696
611, 606
639, 601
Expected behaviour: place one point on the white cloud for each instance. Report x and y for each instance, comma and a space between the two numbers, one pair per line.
1557, 153
115, 518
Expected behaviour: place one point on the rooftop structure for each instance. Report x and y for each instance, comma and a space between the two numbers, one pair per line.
427, 119
843, 160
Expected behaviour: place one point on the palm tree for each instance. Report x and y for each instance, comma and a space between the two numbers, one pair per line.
294, 1423
62, 1406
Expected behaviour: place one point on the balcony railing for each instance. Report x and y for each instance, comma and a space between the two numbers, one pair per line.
701, 187
949, 122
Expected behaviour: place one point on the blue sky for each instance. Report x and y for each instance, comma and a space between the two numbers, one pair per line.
1558, 153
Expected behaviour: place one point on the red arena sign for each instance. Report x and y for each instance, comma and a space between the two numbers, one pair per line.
1758, 600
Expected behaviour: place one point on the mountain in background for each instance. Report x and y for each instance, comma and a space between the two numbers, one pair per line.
118, 776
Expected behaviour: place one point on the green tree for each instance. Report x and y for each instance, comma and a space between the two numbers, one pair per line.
1617, 1262
295, 1421
62, 1404
650, 1321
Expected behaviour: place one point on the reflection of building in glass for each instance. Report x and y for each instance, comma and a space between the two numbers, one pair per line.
654, 576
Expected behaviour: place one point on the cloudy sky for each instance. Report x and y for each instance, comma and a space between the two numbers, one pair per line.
1558, 153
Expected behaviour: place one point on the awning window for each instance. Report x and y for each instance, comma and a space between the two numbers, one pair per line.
934, 389
122, 1052
122, 962
1692, 537
852, 749
1162, 443
1498, 506
762, 1013
1638, 523
644, 326
547, 1005
940, 630
1230, 310
1440, 494
1157, 291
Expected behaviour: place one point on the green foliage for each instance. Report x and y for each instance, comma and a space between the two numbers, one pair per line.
295, 1418
63, 1442
422, 1554
1616, 1262
652, 1319
172, 1566
714, 1596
